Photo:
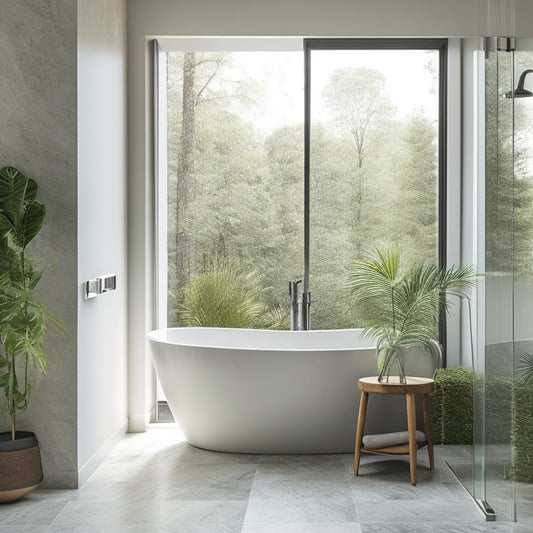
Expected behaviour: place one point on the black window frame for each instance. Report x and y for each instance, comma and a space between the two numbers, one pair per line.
439, 44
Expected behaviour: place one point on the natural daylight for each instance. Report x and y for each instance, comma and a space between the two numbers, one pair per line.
266, 267
235, 175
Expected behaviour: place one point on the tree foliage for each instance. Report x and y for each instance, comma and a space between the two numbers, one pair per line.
509, 183
359, 103
374, 184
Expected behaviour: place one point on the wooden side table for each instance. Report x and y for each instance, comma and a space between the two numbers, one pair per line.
414, 385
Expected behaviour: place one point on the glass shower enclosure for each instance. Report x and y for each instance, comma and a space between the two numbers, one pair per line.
499, 475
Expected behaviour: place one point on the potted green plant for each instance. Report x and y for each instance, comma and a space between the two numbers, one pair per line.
401, 310
23, 319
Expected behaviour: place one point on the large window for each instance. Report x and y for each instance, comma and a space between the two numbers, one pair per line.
375, 120
287, 159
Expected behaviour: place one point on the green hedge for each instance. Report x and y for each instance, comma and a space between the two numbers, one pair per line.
452, 406
523, 433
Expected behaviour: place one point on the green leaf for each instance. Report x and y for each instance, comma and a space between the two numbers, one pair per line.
5, 226
15, 190
31, 222
34, 279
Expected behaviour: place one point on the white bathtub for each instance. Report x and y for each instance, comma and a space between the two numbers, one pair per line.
260, 391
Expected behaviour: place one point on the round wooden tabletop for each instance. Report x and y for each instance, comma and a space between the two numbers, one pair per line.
414, 385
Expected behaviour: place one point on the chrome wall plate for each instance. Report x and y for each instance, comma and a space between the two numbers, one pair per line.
92, 288
108, 282
105, 283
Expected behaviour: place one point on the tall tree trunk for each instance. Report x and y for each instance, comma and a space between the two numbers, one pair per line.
185, 169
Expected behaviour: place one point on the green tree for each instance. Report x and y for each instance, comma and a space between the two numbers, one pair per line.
509, 184
284, 185
361, 109
359, 103
197, 71
331, 232
243, 202
416, 190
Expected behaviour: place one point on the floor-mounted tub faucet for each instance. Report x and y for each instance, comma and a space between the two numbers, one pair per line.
295, 312
300, 304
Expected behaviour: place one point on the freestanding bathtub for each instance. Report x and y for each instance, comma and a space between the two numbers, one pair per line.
262, 391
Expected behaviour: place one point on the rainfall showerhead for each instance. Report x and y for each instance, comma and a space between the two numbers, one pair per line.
520, 92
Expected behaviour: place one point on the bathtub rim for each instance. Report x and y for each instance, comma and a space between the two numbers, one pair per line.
156, 336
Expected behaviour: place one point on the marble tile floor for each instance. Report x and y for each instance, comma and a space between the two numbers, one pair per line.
155, 482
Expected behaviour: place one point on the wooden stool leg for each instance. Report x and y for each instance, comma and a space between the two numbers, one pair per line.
427, 430
359, 433
411, 428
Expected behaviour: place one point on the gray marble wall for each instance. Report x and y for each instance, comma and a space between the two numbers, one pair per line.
38, 129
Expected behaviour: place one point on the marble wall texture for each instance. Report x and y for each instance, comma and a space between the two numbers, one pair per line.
38, 134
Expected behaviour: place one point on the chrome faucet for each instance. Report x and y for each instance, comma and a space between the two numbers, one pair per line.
305, 310
293, 292
300, 304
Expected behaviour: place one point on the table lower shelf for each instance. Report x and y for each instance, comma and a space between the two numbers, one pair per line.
399, 449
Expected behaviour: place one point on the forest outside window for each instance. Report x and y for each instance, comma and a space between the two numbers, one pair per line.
232, 153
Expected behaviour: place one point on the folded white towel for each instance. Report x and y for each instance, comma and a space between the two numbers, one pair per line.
384, 440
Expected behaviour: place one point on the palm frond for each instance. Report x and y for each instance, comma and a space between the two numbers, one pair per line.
404, 308
376, 273
366, 281
525, 367
387, 263
457, 282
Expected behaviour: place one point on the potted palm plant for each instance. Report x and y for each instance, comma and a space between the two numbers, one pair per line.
401, 311
22, 325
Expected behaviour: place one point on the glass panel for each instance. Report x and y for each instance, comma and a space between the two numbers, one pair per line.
473, 477
503, 399
235, 192
373, 167
522, 471
494, 380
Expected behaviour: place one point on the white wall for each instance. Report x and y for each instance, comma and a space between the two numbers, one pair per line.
388, 18
467, 199
308, 17
102, 348
149, 18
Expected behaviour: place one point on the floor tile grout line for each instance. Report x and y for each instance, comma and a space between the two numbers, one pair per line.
355, 503
251, 492
349, 478
62, 509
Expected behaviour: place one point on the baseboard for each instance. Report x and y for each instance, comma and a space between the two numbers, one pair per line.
97, 458
152, 415
139, 423
59, 479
